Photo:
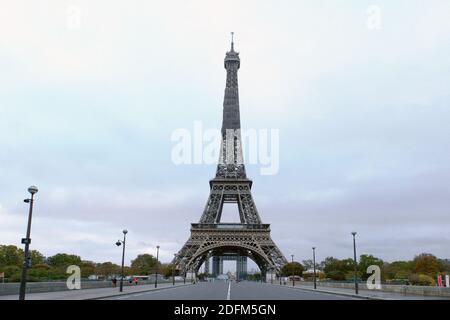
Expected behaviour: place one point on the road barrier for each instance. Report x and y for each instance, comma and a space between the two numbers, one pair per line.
37, 287
403, 289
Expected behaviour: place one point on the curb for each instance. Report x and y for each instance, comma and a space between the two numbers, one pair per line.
131, 293
335, 293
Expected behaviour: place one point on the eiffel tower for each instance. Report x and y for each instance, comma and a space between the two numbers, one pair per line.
211, 238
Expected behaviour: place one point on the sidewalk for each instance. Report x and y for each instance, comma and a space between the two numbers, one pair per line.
363, 294
86, 294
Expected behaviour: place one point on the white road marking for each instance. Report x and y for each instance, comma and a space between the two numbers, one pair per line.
229, 291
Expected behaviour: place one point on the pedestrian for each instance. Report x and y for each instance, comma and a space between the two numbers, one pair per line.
114, 282
135, 281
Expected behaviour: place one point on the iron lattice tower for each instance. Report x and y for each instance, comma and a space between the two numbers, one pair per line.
250, 237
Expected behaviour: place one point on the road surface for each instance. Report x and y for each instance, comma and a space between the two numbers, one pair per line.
222, 290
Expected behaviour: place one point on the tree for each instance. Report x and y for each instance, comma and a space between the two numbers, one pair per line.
36, 257
39, 272
10, 256
107, 269
398, 269
292, 268
308, 264
87, 268
254, 277
12, 273
365, 261
144, 264
166, 270
421, 280
336, 269
444, 265
427, 264
63, 260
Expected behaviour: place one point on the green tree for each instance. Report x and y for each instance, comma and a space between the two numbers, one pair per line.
107, 268
10, 256
444, 265
292, 268
12, 273
144, 264
166, 270
127, 271
427, 264
398, 269
365, 261
254, 277
87, 268
336, 269
421, 280
36, 257
39, 272
63, 260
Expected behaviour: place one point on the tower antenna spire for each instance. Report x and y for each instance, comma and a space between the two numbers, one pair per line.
232, 41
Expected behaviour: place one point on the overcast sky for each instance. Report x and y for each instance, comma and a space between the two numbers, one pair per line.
88, 104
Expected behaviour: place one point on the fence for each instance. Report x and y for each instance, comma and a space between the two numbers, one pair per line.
36, 287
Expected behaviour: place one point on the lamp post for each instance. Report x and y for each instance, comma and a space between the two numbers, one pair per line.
173, 268
157, 266
118, 243
27, 240
314, 266
293, 276
355, 263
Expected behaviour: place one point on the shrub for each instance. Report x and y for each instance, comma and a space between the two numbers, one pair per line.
422, 280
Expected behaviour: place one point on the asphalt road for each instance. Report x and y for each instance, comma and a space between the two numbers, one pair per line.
231, 291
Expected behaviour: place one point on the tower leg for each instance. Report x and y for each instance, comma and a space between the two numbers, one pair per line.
207, 267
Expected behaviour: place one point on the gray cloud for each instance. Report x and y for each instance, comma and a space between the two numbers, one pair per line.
363, 116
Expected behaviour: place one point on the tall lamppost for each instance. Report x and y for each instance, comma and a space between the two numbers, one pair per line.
355, 262
293, 276
118, 243
157, 266
173, 268
27, 240
314, 264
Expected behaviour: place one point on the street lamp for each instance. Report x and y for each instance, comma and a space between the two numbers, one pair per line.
314, 264
118, 243
27, 260
293, 276
173, 268
355, 263
157, 261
